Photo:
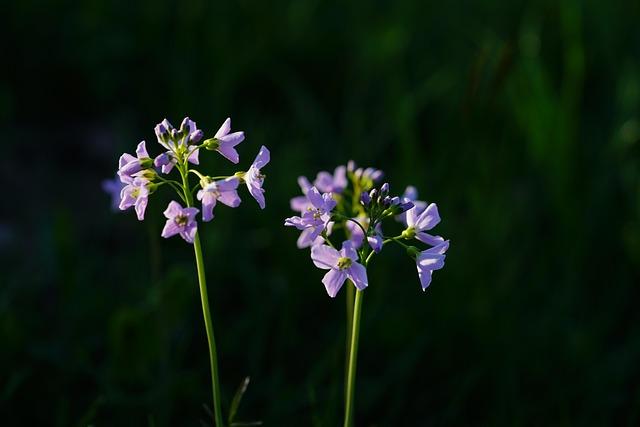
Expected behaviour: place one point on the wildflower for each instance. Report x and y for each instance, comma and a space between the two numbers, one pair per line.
376, 240
254, 178
301, 203
336, 183
128, 165
113, 187
135, 194
223, 190
342, 265
224, 142
315, 219
177, 143
180, 221
418, 222
356, 233
429, 260
411, 195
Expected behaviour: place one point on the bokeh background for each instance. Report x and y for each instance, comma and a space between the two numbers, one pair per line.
521, 120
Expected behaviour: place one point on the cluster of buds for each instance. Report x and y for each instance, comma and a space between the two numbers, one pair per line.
141, 175
348, 206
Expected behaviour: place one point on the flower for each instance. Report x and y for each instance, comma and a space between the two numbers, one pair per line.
254, 179
315, 219
376, 240
224, 142
418, 222
336, 183
135, 194
223, 190
129, 165
342, 265
301, 203
430, 260
113, 187
411, 195
180, 221
356, 234
177, 143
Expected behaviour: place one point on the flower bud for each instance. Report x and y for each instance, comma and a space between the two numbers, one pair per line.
384, 190
351, 166
196, 136
373, 194
365, 199
161, 132
386, 201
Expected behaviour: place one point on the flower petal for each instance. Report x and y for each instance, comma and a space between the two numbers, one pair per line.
324, 256
333, 281
224, 129
358, 275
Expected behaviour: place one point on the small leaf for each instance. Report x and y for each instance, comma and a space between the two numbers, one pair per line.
235, 403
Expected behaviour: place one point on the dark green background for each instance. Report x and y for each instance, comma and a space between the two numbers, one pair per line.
521, 120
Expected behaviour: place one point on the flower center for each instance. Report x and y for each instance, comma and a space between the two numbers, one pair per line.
181, 220
344, 263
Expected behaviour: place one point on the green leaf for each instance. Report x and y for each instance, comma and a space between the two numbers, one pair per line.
235, 403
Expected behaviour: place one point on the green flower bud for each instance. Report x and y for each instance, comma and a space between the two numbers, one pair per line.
413, 252
409, 233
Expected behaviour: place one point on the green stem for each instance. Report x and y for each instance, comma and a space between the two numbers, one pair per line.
349, 298
353, 356
213, 354
213, 357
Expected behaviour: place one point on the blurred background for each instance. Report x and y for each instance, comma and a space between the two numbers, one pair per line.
520, 120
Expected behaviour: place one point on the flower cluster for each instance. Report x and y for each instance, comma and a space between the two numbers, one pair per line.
349, 204
141, 175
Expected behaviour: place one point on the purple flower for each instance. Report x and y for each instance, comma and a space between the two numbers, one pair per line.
315, 219
411, 195
113, 187
135, 194
418, 222
376, 240
356, 235
177, 141
254, 179
223, 190
129, 165
225, 141
180, 221
336, 183
342, 265
165, 161
430, 260
301, 203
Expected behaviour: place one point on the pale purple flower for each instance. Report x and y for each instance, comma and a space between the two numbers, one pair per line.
342, 265
129, 165
419, 222
430, 260
315, 219
356, 235
336, 183
301, 203
113, 187
223, 190
376, 240
254, 178
227, 141
180, 221
175, 140
135, 194
411, 195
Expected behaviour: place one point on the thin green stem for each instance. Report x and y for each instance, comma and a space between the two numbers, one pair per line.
349, 318
213, 354
353, 357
